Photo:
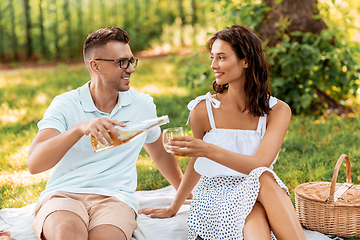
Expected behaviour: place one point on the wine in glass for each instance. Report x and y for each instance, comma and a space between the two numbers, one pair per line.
169, 133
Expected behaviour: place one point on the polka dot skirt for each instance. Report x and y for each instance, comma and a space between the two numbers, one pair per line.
220, 205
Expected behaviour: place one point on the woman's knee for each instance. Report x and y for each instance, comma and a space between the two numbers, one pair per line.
269, 187
267, 178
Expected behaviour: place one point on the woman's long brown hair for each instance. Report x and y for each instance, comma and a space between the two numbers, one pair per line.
246, 44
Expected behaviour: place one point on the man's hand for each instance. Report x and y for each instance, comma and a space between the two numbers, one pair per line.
101, 127
49, 145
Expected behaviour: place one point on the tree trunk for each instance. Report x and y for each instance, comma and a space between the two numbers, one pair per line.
91, 16
1, 38
28, 29
182, 17
68, 29
42, 32
56, 31
13, 33
194, 19
299, 12
147, 8
80, 25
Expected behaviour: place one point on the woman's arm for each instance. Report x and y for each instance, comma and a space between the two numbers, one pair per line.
165, 162
189, 181
191, 177
277, 124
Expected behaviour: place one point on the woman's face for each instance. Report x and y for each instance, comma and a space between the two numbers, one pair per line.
226, 65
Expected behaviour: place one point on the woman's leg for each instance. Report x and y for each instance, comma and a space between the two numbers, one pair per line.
256, 224
279, 209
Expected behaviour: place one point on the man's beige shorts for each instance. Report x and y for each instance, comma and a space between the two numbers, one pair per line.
100, 209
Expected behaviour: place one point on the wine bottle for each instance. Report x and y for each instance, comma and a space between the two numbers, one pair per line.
131, 131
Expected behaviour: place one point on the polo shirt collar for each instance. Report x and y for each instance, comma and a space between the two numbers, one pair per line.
88, 105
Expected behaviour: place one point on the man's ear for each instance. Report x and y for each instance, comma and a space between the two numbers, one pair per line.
94, 66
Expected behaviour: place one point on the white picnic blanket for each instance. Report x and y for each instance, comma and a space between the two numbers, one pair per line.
19, 220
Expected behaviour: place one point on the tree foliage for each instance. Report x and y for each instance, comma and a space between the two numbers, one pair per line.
316, 73
310, 71
39, 29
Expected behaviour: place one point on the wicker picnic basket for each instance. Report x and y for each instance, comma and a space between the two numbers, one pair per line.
330, 208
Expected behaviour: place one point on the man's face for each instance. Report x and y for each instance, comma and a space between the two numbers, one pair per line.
111, 75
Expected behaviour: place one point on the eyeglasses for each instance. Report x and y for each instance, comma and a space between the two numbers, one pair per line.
123, 63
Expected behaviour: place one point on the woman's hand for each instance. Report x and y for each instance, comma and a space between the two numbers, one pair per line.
157, 212
188, 146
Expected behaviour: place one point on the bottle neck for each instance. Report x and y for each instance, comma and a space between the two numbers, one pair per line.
146, 124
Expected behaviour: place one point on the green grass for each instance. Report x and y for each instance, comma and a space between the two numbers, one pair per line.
312, 146
309, 152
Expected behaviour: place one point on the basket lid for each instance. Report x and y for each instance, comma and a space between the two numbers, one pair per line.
320, 191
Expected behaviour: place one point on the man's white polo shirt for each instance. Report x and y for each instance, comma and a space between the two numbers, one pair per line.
111, 172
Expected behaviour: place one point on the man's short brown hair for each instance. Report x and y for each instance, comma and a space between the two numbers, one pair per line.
101, 37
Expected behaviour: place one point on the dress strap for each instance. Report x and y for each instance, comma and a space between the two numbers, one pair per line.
272, 101
210, 115
261, 128
210, 101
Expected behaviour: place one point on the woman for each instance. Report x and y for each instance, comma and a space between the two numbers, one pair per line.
238, 133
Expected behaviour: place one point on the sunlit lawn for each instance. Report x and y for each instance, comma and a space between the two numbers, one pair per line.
309, 153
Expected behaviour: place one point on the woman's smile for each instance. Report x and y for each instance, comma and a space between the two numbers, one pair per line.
218, 74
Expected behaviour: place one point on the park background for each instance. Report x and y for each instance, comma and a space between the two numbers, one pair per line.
313, 49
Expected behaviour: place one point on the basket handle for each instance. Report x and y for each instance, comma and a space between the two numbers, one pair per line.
334, 178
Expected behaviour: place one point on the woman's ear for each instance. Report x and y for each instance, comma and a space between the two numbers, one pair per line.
246, 63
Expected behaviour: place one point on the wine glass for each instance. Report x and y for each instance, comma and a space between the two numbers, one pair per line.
169, 133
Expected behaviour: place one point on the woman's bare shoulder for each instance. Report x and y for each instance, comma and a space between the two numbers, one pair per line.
199, 112
199, 118
280, 110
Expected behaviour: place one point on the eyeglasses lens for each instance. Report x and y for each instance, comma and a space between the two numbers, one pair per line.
134, 62
126, 62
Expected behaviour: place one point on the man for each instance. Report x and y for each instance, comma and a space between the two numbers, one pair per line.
90, 195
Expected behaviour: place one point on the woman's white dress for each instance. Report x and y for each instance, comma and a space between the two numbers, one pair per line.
223, 198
